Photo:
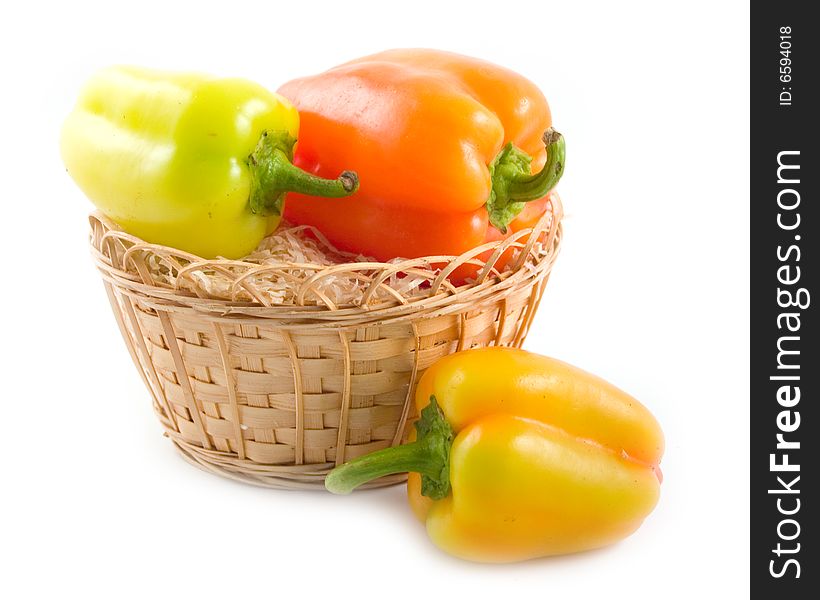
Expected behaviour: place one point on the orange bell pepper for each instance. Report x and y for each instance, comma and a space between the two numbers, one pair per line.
518, 456
448, 150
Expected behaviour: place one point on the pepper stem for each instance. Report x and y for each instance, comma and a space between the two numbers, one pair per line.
513, 185
273, 175
429, 455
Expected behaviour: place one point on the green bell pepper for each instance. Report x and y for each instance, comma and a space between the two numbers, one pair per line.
195, 162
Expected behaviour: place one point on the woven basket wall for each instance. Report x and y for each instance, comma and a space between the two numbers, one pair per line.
278, 395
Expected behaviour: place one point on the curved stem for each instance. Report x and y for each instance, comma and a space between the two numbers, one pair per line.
273, 175
532, 187
512, 183
429, 455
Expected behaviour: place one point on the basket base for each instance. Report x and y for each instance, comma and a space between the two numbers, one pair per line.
303, 477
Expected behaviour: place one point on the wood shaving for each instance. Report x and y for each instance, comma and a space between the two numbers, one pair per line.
274, 272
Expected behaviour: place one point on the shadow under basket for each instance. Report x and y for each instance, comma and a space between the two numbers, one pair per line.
276, 395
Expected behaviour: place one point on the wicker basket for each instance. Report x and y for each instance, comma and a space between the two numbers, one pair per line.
278, 395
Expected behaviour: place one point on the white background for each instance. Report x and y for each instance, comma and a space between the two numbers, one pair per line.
651, 292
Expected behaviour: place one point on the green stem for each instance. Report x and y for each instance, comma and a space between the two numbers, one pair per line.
273, 175
532, 187
399, 459
429, 455
512, 183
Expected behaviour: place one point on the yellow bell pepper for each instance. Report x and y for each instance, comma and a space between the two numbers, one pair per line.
195, 162
518, 456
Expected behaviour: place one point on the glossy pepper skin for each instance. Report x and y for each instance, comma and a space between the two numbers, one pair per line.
519, 456
186, 160
437, 139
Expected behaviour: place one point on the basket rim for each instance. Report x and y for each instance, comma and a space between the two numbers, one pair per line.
537, 246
